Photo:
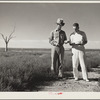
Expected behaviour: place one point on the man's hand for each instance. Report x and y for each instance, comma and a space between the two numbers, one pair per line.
72, 44
80, 43
54, 43
66, 42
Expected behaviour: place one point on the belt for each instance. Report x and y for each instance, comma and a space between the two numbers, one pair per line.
59, 46
78, 44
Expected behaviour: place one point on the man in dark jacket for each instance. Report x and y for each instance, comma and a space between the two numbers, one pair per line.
57, 39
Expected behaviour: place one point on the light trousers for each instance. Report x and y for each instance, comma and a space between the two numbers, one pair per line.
57, 59
78, 57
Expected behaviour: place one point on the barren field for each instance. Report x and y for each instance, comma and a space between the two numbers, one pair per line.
29, 70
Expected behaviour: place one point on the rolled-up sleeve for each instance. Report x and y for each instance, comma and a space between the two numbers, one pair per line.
51, 38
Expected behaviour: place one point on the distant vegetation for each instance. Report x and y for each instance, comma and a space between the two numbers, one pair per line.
21, 70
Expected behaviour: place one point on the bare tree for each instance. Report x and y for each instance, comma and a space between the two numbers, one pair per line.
7, 39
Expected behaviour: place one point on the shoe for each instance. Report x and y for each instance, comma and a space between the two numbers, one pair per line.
52, 69
86, 80
60, 74
76, 79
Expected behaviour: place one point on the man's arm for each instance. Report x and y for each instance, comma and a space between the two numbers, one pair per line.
84, 39
65, 39
51, 39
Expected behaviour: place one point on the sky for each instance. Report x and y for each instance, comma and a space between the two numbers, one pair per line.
35, 21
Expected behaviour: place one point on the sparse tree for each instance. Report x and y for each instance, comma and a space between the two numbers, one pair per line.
7, 39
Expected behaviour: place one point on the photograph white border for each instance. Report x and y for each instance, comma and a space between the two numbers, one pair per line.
49, 95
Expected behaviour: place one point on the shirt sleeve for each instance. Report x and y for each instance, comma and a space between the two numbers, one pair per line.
84, 38
65, 37
70, 39
51, 38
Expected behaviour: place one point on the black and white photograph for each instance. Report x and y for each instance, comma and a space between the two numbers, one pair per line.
50, 47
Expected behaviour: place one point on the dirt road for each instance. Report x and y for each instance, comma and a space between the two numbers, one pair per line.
68, 84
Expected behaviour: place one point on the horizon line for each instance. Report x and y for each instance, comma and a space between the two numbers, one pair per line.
41, 48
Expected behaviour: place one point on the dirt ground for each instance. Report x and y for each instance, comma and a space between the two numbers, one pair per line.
68, 84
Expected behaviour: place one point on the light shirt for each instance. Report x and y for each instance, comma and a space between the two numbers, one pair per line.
78, 38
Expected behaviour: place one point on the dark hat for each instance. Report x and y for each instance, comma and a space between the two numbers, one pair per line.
76, 24
60, 21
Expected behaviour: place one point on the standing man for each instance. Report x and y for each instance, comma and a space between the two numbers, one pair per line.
57, 39
77, 40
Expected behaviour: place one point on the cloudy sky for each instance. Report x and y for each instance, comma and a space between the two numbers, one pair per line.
35, 21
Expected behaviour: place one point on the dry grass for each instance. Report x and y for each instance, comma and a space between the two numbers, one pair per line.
25, 70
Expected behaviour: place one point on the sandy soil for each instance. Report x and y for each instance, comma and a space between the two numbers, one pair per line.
68, 84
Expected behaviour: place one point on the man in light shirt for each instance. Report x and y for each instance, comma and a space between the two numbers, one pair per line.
57, 39
77, 40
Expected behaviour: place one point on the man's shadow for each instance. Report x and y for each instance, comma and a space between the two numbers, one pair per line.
69, 75
94, 79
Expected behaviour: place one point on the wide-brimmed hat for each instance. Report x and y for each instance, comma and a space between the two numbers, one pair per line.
60, 22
